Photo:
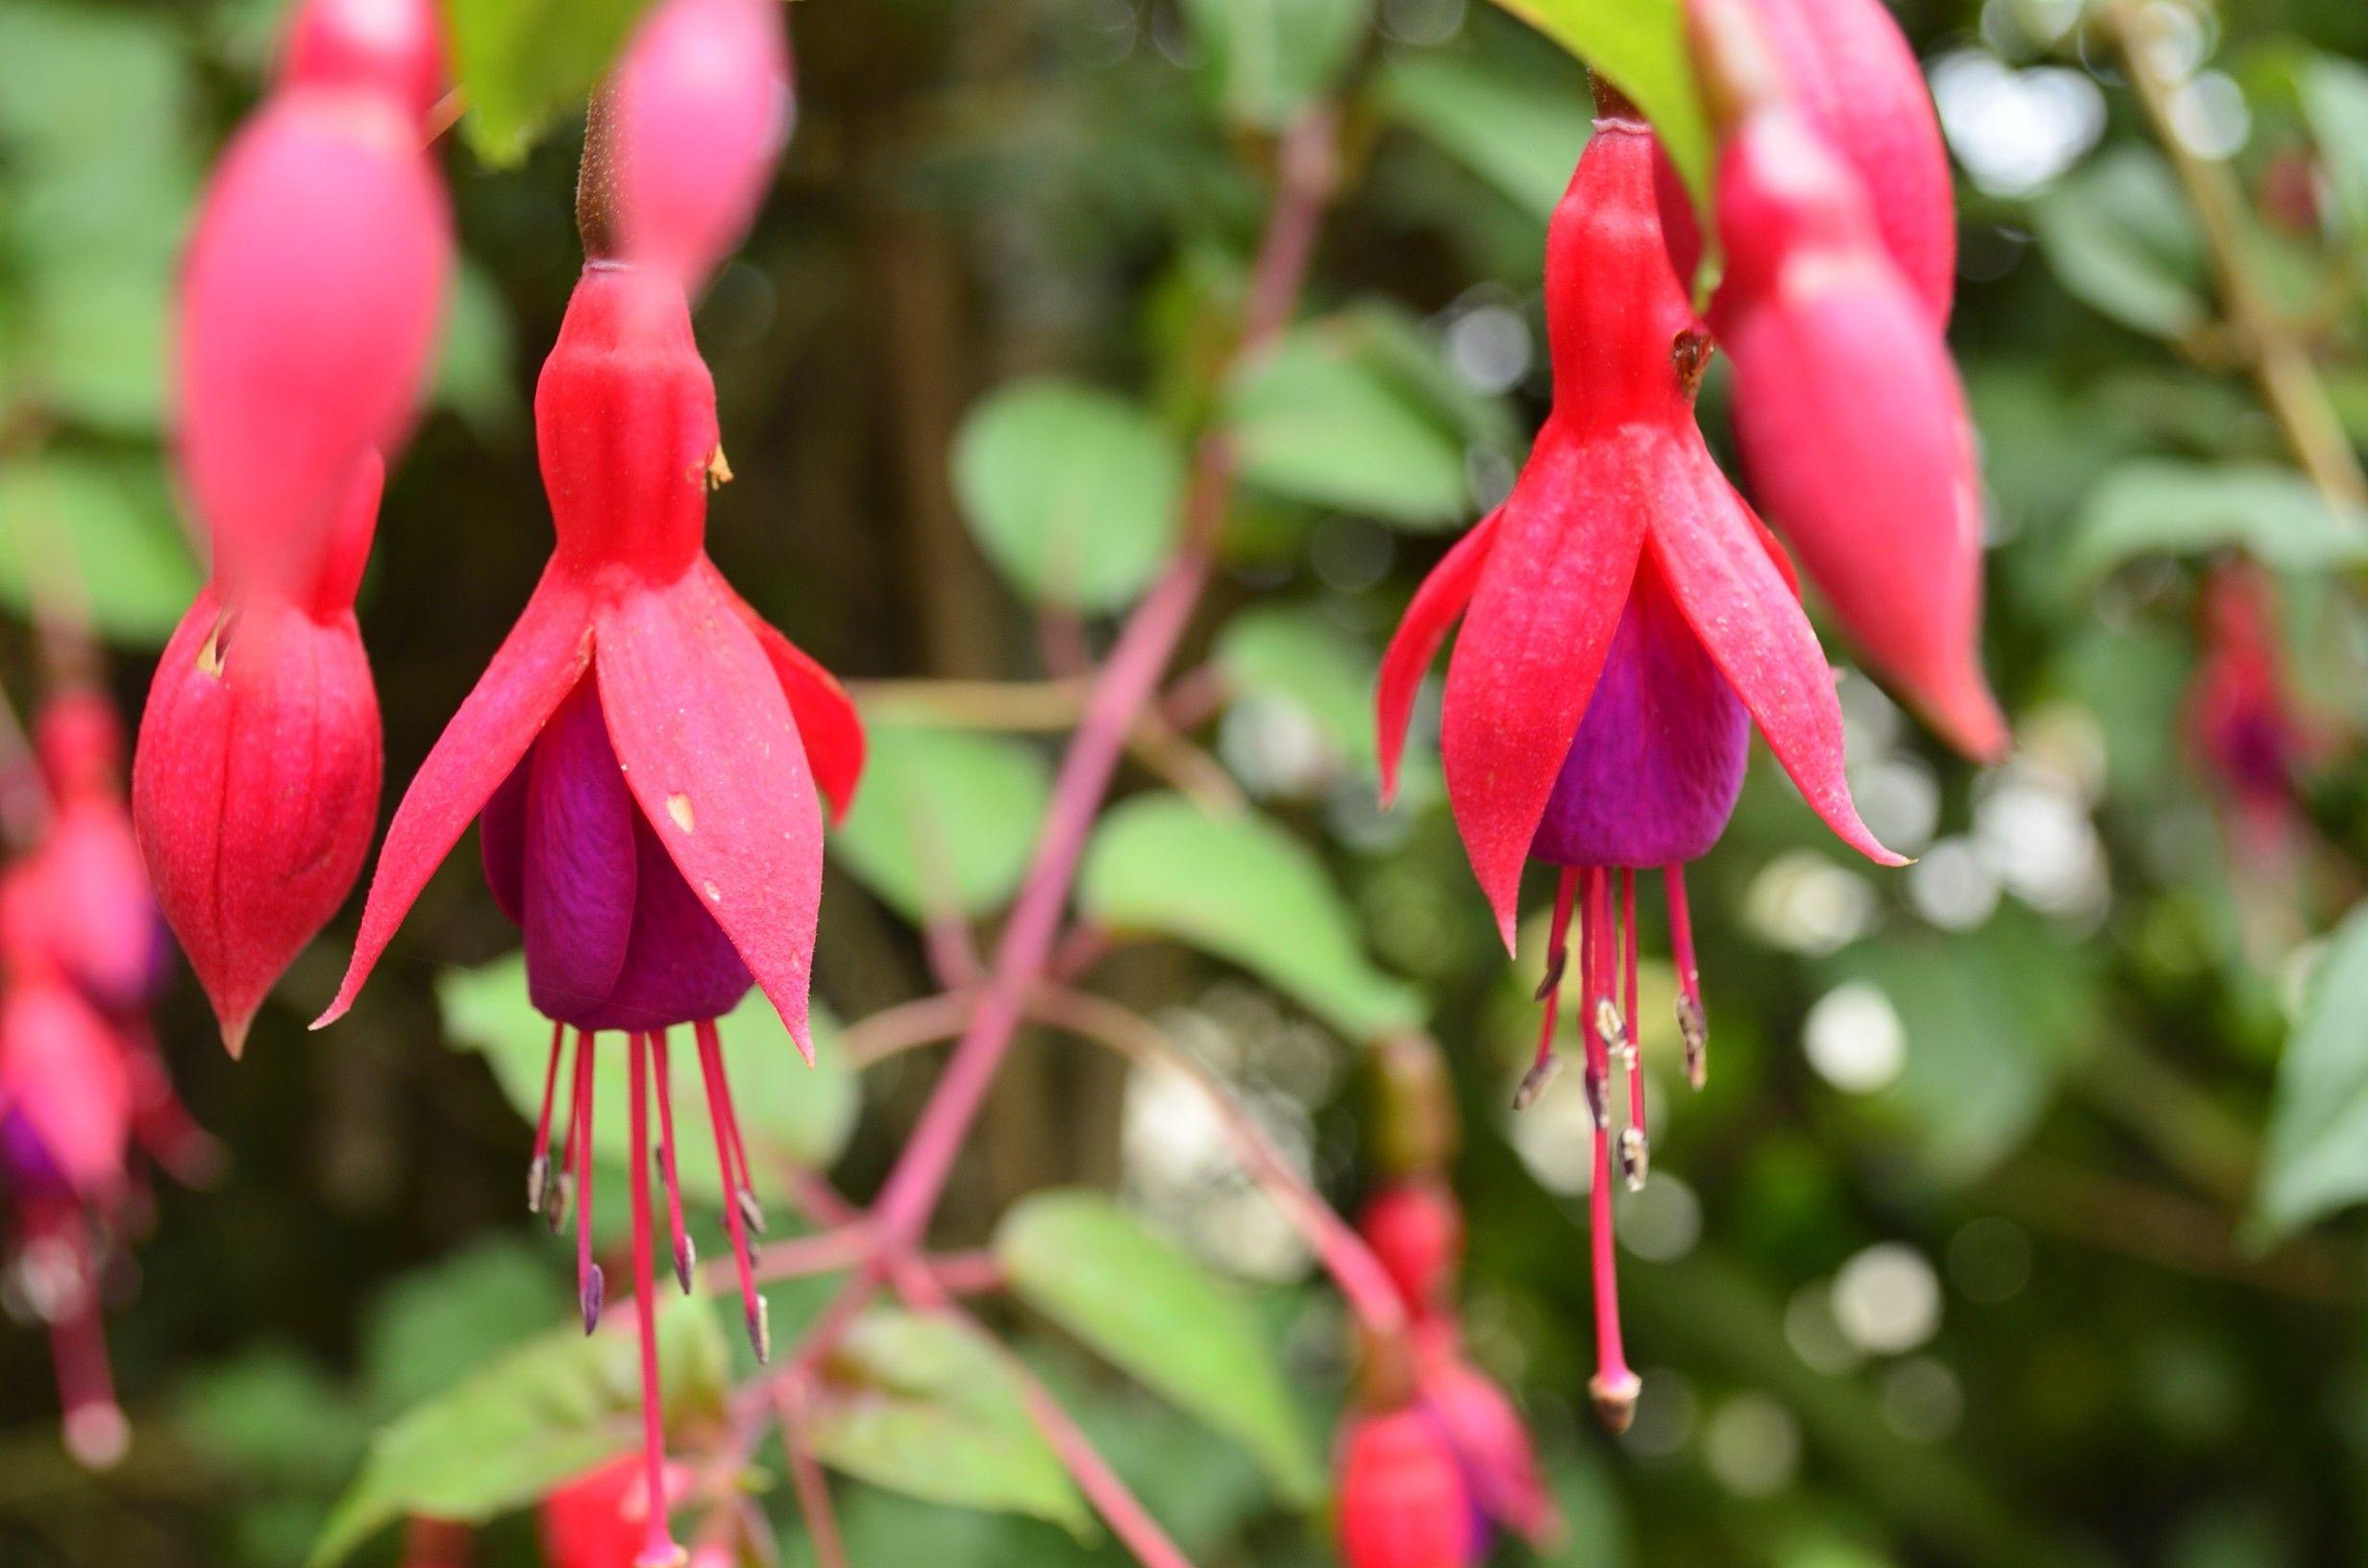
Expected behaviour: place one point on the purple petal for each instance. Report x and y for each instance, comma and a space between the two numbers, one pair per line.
1654, 772
579, 865
680, 965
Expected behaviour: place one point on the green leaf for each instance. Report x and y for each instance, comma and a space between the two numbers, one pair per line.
787, 1110
1096, 1271
431, 1328
2120, 239
946, 818
273, 1416
519, 63
2317, 1156
1245, 890
474, 376
1294, 656
105, 528
539, 1416
1520, 132
1639, 46
1269, 57
2159, 506
926, 1406
2335, 95
1345, 413
1071, 491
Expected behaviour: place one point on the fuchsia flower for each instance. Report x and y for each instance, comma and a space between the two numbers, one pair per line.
1626, 621
308, 308
2246, 731
703, 106
643, 757
1416, 1231
1835, 213
1403, 1500
600, 1519
256, 783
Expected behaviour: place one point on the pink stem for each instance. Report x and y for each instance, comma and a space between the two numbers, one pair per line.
658, 1546
806, 1480
1123, 689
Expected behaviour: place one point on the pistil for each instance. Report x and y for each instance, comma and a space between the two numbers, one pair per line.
659, 1549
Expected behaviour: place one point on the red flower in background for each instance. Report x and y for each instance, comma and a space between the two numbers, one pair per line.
1403, 1502
601, 1519
307, 307
2247, 731
644, 755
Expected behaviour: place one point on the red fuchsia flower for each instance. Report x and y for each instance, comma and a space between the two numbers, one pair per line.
601, 1519
2246, 730
312, 288
1416, 1231
1834, 211
1403, 1499
1491, 1445
643, 758
703, 106
1627, 621
255, 785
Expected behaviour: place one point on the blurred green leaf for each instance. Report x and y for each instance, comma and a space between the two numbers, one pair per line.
2121, 240
91, 86
1269, 57
272, 1416
1640, 45
1099, 1273
105, 528
475, 375
787, 1110
539, 1416
431, 1328
1341, 414
519, 63
925, 1406
98, 340
1519, 132
1072, 492
2158, 507
946, 818
2317, 1156
1294, 656
1247, 891
2335, 95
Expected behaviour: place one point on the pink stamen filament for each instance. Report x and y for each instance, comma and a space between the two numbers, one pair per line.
1691, 1020
685, 1255
538, 1172
659, 1549
590, 1287
1633, 1149
739, 1183
1614, 1385
96, 1431
1550, 992
719, 1112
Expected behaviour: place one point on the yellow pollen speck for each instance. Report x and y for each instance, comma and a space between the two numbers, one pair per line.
679, 807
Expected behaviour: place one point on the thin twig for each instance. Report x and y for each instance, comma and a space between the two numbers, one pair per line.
805, 1477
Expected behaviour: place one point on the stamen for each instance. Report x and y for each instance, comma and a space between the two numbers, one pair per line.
1613, 1386
719, 1112
563, 1180
1634, 1157
686, 1255
659, 1549
538, 1169
96, 1433
1550, 992
737, 1173
590, 1286
1591, 1002
1692, 1023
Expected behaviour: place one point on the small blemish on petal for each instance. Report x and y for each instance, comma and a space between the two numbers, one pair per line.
679, 807
715, 895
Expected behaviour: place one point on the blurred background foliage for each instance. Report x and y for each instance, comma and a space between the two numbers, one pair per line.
2007, 1231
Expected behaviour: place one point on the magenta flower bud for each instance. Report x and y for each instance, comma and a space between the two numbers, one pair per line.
703, 106
1416, 1229
311, 293
255, 785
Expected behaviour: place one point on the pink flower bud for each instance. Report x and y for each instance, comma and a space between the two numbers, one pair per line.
309, 298
1403, 1503
390, 48
256, 783
703, 108
1417, 1232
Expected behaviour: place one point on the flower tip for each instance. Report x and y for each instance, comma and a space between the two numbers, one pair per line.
235, 1027
1969, 720
97, 1436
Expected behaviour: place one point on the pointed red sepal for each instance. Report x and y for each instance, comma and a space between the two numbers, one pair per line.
711, 751
537, 666
827, 720
1416, 643
1705, 541
1533, 641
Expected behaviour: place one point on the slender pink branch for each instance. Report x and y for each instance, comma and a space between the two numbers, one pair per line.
922, 1021
1362, 1279
824, 1252
1123, 689
807, 1479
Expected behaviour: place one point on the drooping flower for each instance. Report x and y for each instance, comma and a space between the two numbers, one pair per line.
1838, 230
601, 1519
1403, 1502
2246, 729
255, 785
703, 105
309, 295
1626, 621
643, 757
